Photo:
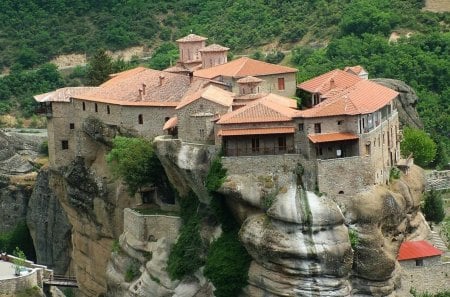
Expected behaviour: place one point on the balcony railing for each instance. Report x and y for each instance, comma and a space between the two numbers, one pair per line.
256, 151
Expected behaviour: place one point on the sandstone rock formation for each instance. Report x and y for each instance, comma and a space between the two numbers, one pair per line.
408, 100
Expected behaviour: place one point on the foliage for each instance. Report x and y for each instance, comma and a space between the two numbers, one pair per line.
227, 265
30, 292
274, 57
18, 237
222, 213
433, 207
135, 162
185, 256
20, 257
132, 270
164, 56
115, 246
426, 294
216, 175
354, 238
394, 173
420, 145
43, 148
99, 68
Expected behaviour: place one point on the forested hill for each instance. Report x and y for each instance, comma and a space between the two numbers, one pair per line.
34, 31
323, 35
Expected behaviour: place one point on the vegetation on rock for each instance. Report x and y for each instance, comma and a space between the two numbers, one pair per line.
216, 175
135, 162
18, 237
420, 145
433, 207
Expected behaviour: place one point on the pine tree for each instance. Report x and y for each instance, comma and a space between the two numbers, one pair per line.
99, 68
433, 207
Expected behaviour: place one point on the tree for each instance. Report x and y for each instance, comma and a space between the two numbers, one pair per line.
433, 207
164, 56
418, 143
99, 68
135, 162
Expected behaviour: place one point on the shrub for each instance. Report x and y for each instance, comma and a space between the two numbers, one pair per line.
216, 175
420, 145
354, 238
433, 207
227, 265
394, 173
43, 148
115, 246
132, 271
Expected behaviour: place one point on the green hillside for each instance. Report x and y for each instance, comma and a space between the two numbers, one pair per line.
323, 35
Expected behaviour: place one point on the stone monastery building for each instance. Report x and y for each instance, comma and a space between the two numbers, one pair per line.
348, 137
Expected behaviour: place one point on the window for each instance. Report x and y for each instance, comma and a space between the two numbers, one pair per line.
419, 262
108, 111
84, 105
301, 127
65, 144
282, 143
317, 128
96, 107
140, 119
202, 133
255, 144
72, 126
340, 122
368, 149
319, 151
281, 83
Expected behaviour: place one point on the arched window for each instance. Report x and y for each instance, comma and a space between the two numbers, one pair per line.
140, 119
108, 111
84, 106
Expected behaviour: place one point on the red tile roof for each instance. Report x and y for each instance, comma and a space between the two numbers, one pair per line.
171, 123
270, 108
355, 69
243, 67
331, 137
416, 250
211, 93
334, 79
63, 94
214, 48
249, 79
363, 97
191, 38
256, 131
161, 88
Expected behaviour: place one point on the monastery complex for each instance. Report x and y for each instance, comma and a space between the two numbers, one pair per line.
347, 132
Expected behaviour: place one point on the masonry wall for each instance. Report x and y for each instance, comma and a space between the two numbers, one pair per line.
10, 287
151, 227
430, 261
195, 120
270, 84
189, 51
344, 175
211, 59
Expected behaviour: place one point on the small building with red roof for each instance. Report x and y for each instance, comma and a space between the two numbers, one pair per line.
418, 254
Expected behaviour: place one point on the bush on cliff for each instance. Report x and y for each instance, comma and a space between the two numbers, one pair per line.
433, 207
216, 175
418, 143
135, 162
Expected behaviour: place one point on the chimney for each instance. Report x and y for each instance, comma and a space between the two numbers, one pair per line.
140, 94
332, 84
161, 79
143, 88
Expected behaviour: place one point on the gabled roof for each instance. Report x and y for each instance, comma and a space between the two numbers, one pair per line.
63, 94
161, 88
264, 110
363, 97
171, 123
211, 93
357, 70
331, 137
191, 38
214, 48
248, 80
331, 80
417, 250
243, 67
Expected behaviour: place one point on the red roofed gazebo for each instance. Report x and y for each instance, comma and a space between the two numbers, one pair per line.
418, 253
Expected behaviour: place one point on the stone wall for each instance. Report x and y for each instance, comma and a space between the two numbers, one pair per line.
151, 227
344, 175
438, 180
431, 279
430, 261
270, 84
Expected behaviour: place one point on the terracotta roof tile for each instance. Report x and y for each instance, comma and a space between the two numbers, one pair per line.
267, 109
211, 93
331, 137
249, 79
63, 94
243, 67
171, 123
192, 37
334, 79
214, 48
256, 131
363, 97
416, 250
355, 69
161, 88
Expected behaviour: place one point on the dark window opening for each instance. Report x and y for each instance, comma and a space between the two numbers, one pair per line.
301, 127
72, 126
317, 128
166, 119
108, 111
146, 197
341, 192
96, 107
202, 133
255, 144
84, 106
65, 144
140, 119
419, 262
282, 143
340, 122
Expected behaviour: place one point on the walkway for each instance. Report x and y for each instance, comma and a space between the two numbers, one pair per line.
61, 281
6, 270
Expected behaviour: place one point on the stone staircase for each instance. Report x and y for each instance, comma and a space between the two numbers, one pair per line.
437, 241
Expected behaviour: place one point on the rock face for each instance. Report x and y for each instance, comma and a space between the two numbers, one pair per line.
407, 102
49, 226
